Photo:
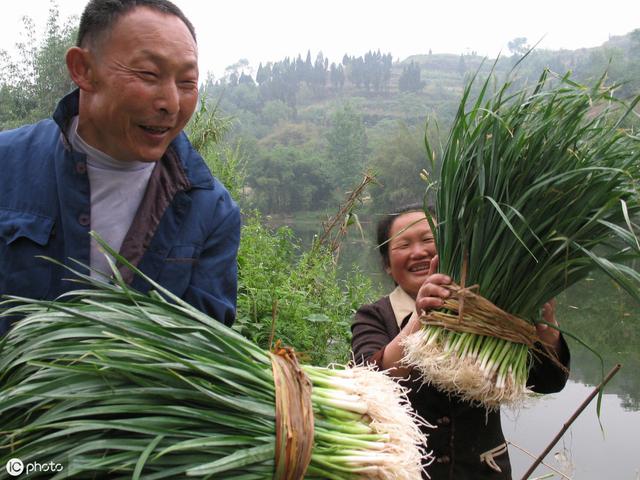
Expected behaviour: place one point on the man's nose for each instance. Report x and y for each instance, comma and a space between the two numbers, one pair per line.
167, 99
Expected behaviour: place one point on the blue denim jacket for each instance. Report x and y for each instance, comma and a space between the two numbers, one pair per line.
45, 211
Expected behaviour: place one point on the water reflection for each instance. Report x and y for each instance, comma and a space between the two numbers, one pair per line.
607, 319
585, 452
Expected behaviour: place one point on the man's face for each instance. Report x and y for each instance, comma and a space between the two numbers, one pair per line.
144, 86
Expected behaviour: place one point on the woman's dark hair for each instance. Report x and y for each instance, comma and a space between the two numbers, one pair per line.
99, 16
383, 229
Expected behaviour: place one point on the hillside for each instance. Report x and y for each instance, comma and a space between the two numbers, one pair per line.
308, 129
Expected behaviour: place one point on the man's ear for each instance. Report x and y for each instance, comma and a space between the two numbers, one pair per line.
80, 68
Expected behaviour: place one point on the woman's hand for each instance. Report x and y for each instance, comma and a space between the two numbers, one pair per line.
547, 334
431, 295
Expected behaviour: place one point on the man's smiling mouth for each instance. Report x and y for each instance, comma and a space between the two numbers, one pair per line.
155, 130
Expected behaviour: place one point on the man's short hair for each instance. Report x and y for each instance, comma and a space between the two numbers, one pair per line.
99, 16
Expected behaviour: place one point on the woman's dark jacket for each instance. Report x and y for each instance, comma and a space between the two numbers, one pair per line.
463, 432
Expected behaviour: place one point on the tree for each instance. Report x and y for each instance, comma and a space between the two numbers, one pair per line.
336, 76
246, 79
233, 72
33, 81
409, 80
245, 95
275, 111
341, 76
372, 70
518, 46
356, 71
397, 163
347, 139
319, 71
262, 74
308, 69
288, 179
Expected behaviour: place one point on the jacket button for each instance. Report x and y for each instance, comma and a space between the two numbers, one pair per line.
81, 168
84, 219
443, 459
443, 421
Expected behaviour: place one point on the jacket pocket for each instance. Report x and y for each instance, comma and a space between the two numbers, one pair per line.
177, 268
24, 237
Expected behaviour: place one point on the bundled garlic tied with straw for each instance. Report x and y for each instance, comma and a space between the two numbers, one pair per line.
111, 382
537, 187
475, 350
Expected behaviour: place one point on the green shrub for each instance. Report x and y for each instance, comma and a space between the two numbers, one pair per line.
294, 296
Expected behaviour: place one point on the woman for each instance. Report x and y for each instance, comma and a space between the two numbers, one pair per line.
468, 442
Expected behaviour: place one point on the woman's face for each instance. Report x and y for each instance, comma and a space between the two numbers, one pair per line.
410, 251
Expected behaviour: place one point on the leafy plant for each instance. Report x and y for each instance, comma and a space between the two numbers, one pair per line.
293, 296
284, 293
34, 79
537, 188
113, 383
206, 131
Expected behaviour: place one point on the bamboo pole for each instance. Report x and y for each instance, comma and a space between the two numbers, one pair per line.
567, 424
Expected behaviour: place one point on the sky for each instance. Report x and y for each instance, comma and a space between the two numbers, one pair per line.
269, 30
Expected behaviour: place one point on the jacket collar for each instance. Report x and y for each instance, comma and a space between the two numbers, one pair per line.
402, 304
190, 161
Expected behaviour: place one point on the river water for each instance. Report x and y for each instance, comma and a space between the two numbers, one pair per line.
606, 319
585, 452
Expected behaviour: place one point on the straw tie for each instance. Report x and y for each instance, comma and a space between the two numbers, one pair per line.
480, 317
294, 416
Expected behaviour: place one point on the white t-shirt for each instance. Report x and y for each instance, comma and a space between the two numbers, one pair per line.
117, 188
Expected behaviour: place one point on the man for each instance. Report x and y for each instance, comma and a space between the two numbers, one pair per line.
114, 159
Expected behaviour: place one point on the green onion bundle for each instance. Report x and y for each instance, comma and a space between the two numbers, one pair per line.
115, 384
536, 189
